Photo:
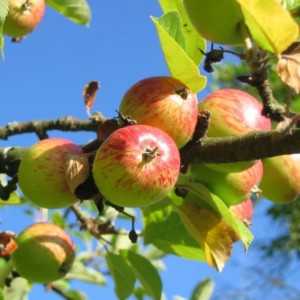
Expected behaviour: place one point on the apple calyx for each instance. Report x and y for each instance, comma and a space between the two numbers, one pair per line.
182, 92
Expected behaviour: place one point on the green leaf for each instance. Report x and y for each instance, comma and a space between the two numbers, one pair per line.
122, 274
81, 272
203, 290
193, 40
17, 289
1, 294
270, 25
179, 63
14, 199
163, 229
77, 11
5, 270
145, 272
75, 295
218, 207
292, 5
3, 14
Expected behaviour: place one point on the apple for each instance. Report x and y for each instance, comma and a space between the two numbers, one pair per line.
23, 17
217, 21
163, 102
45, 253
281, 180
41, 174
136, 166
232, 188
233, 112
244, 212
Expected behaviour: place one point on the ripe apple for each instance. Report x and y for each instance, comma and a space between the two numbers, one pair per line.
41, 173
281, 180
45, 253
217, 21
232, 188
244, 212
163, 102
233, 112
136, 166
23, 17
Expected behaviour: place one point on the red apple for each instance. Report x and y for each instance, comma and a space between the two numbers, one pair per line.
281, 180
163, 102
136, 166
244, 212
45, 253
42, 176
233, 112
23, 17
232, 188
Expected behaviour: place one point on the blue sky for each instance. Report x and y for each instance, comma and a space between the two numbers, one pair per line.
43, 77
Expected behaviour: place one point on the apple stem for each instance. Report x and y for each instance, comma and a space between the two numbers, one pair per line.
150, 154
182, 92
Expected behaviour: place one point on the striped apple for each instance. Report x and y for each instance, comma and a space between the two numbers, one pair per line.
136, 166
163, 102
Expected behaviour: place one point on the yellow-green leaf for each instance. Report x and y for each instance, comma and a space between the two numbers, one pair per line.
180, 65
270, 25
209, 231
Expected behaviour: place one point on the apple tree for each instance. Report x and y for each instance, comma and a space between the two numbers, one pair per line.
191, 168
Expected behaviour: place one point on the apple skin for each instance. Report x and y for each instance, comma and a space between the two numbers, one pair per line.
125, 176
45, 253
232, 188
23, 18
233, 112
217, 21
163, 102
41, 173
244, 212
281, 180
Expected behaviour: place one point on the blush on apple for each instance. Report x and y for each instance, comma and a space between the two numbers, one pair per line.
281, 180
45, 253
232, 188
42, 176
233, 112
163, 102
23, 17
136, 166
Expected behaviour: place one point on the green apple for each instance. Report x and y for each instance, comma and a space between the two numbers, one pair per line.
233, 112
41, 174
136, 166
217, 21
232, 188
163, 102
281, 179
23, 17
45, 253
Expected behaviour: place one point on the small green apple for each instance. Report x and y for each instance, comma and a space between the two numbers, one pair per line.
45, 253
23, 17
42, 176
281, 179
217, 21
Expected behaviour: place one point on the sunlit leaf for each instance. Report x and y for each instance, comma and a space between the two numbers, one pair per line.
87, 274
3, 14
5, 270
145, 273
14, 199
270, 25
179, 63
288, 68
209, 231
203, 290
76, 10
1, 294
123, 275
164, 229
17, 289
193, 40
